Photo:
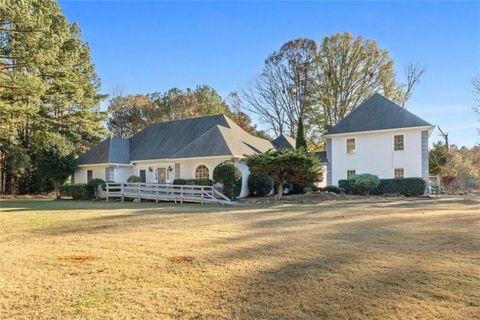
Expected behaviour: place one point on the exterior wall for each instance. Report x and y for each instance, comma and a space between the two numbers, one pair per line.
121, 173
374, 153
242, 165
425, 160
323, 183
187, 170
329, 163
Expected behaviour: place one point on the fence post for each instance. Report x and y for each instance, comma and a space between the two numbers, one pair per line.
202, 195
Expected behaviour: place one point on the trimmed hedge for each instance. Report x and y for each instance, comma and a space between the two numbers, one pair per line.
333, 189
77, 191
92, 187
346, 185
260, 186
405, 186
301, 188
365, 183
134, 179
193, 182
230, 177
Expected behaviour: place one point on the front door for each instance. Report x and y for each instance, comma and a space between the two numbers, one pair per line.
161, 175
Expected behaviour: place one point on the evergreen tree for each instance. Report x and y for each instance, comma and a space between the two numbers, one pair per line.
300, 141
47, 84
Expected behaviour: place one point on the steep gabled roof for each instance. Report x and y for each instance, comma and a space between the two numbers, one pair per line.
196, 137
284, 142
111, 150
377, 113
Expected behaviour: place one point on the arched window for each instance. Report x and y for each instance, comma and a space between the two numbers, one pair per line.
202, 172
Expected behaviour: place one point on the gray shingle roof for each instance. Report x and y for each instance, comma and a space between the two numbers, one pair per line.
377, 113
111, 150
284, 142
197, 137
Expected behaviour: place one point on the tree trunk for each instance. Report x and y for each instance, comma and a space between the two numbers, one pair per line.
279, 191
57, 194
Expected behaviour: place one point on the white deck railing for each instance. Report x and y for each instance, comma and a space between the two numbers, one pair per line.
164, 192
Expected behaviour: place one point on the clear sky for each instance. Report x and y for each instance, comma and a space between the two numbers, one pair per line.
150, 46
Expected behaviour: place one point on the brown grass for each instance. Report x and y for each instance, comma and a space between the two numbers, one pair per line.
350, 259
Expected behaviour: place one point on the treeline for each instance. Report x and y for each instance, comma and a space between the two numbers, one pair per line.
49, 95
130, 114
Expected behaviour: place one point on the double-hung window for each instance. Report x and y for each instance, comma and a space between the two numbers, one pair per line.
110, 174
398, 143
350, 174
399, 173
350, 145
89, 175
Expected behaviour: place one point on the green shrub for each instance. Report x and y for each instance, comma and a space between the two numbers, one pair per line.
134, 179
77, 191
301, 188
230, 177
346, 185
365, 183
193, 182
333, 189
92, 187
260, 186
405, 186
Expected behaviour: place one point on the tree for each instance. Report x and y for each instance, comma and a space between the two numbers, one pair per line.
323, 83
55, 160
350, 70
282, 92
241, 118
300, 142
438, 158
128, 115
47, 84
285, 166
413, 74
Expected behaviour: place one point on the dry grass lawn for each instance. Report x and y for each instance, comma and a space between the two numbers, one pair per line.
344, 260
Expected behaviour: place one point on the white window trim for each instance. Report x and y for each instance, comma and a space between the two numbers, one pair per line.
346, 145
393, 138
194, 173
395, 176
355, 170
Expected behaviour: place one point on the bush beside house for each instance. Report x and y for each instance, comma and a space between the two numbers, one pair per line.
260, 186
193, 182
403, 186
230, 177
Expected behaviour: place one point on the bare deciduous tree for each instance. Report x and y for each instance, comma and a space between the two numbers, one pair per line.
413, 74
282, 93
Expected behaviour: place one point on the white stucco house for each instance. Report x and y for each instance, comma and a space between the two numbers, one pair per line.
379, 137
162, 152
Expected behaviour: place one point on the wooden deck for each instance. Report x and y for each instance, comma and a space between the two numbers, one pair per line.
164, 192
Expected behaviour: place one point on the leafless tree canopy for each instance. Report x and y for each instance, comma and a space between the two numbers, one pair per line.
323, 84
413, 74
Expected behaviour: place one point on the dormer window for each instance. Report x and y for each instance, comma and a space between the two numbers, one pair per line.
350, 145
398, 144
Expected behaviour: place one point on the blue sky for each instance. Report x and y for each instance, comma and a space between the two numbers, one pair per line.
147, 46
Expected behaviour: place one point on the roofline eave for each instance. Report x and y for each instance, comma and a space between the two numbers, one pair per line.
329, 135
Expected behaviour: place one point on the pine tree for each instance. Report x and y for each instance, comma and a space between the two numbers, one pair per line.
47, 84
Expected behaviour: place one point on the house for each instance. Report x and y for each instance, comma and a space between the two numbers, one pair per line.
381, 138
378, 137
165, 151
